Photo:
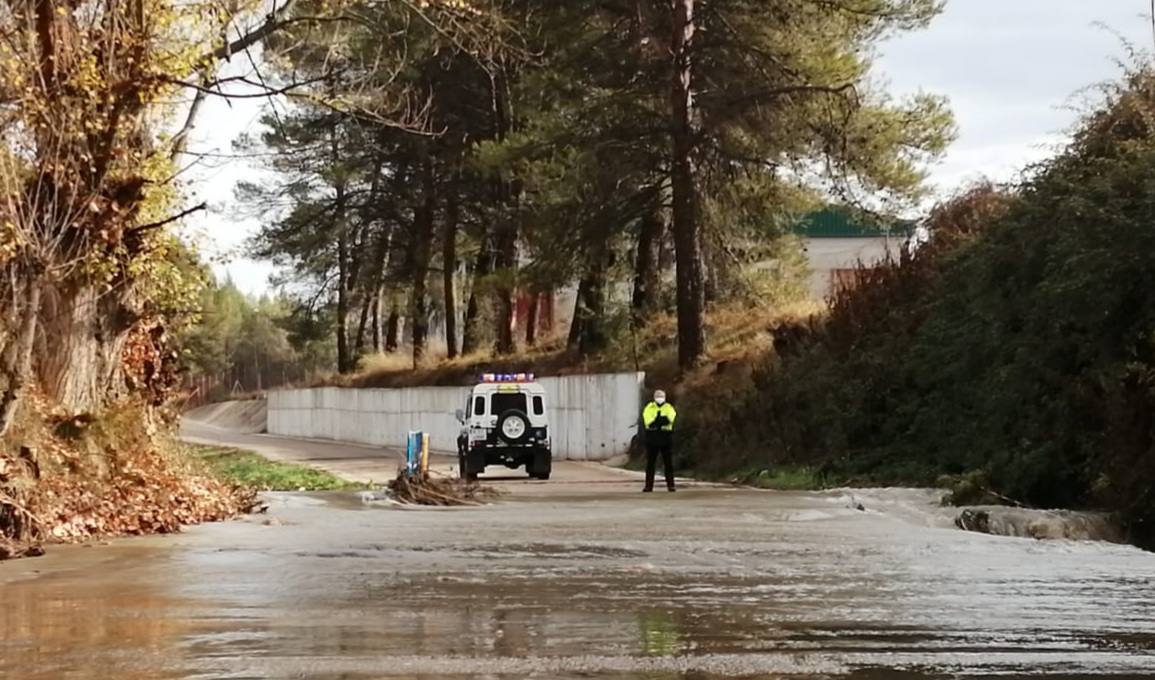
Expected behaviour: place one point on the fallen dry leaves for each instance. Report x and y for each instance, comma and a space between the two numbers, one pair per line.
121, 475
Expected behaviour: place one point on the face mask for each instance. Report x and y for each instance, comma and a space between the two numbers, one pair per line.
659, 401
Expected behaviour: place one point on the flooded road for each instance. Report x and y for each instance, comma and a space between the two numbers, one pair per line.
579, 577
597, 581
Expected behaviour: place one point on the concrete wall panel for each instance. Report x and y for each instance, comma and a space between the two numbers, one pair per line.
592, 417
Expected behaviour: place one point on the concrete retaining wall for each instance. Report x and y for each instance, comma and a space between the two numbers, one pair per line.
592, 417
246, 417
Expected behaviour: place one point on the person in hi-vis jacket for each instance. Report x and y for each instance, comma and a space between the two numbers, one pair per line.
658, 418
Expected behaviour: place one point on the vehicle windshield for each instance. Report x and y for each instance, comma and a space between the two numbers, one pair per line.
506, 401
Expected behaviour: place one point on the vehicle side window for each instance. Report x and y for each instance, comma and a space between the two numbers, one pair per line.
479, 406
538, 406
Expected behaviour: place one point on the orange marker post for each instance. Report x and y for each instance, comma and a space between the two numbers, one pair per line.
424, 453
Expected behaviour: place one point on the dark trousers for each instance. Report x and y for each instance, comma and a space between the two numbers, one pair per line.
667, 452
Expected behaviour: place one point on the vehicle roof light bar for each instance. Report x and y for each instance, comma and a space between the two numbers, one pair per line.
506, 377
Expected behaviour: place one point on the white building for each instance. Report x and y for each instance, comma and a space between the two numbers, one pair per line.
836, 244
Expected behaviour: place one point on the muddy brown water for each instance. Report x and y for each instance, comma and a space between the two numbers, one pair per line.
594, 581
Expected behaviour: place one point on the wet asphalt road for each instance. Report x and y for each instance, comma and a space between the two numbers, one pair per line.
586, 578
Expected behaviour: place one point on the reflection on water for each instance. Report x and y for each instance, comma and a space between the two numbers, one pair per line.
659, 633
119, 629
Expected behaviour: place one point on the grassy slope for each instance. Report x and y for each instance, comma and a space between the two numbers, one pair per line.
250, 470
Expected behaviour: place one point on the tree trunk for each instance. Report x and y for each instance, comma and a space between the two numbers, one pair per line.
577, 324
587, 330
180, 140
691, 299
421, 252
344, 357
711, 284
665, 252
531, 320
364, 286
363, 323
378, 303
471, 335
345, 360
646, 274
449, 267
16, 362
380, 263
506, 233
79, 355
592, 337
545, 314
507, 265
393, 327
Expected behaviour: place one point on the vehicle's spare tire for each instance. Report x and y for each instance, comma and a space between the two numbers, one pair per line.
513, 427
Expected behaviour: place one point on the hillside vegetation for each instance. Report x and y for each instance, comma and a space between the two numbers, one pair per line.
740, 333
1016, 354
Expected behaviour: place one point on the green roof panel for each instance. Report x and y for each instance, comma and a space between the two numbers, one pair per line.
837, 223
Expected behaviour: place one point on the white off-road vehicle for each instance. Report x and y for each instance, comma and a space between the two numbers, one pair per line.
504, 423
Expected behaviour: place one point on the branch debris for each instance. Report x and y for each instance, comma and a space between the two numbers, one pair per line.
438, 491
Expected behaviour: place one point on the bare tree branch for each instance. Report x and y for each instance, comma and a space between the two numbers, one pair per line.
274, 22
169, 220
180, 141
212, 87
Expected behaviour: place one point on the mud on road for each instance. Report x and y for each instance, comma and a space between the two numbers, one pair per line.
586, 578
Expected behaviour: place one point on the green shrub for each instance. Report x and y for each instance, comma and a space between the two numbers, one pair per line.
1019, 348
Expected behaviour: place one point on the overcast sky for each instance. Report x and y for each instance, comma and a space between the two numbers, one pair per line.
1014, 71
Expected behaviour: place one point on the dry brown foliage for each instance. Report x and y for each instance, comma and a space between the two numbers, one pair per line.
116, 474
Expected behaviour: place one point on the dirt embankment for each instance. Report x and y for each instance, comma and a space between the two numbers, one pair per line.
117, 473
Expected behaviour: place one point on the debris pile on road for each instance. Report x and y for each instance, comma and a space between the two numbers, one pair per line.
425, 489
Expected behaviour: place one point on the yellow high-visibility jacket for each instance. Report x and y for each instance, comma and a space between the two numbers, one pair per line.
651, 413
